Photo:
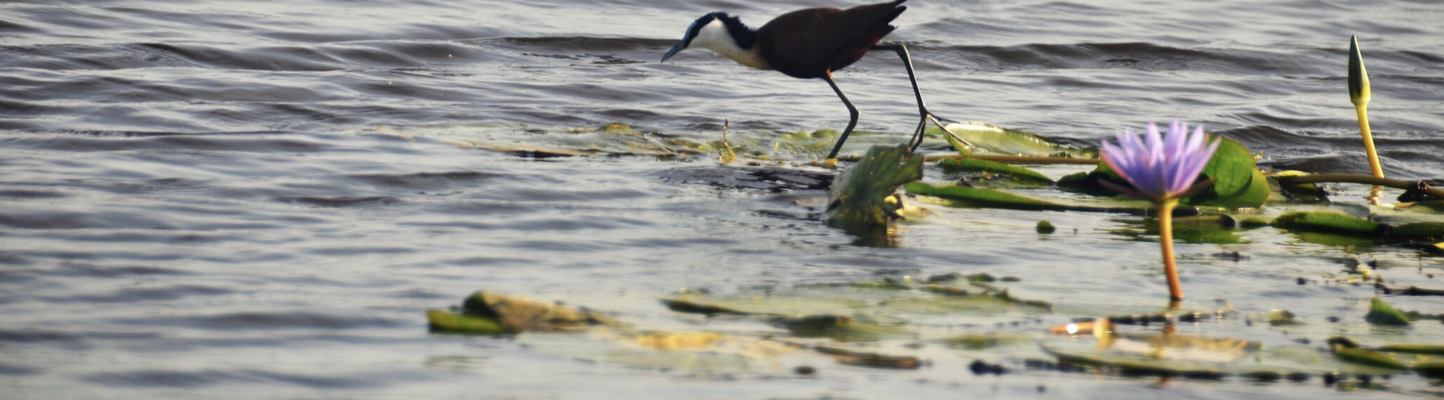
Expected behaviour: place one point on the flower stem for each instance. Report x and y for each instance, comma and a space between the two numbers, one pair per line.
1363, 109
1165, 238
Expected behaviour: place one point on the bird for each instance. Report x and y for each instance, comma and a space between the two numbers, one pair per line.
810, 43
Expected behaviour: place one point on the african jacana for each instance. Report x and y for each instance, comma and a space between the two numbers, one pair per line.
809, 43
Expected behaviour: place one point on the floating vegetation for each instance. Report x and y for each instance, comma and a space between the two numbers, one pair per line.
989, 169
866, 193
1381, 313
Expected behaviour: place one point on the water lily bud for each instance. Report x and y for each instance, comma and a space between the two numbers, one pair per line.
1358, 76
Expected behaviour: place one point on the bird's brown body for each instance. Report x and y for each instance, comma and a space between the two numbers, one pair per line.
809, 44
812, 43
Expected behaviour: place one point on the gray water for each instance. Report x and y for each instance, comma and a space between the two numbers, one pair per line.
220, 199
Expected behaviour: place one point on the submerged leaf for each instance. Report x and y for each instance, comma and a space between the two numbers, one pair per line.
860, 195
870, 359
840, 328
1216, 229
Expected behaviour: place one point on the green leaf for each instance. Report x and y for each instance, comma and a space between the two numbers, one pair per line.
1426, 229
1414, 348
958, 145
1381, 313
1326, 222
1304, 192
992, 167
442, 321
1237, 181
516, 314
983, 197
1000, 140
1368, 357
860, 195
990, 198
839, 328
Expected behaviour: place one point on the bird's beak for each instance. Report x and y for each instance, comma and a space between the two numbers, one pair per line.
681, 45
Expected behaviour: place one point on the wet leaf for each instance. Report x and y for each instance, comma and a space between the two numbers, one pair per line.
985, 341
840, 328
1422, 229
1278, 317
1368, 357
958, 145
1000, 140
979, 197
860, 195
1435, 349
974, 304
1325, 221
1381, 313
762, 304
516, 314
1045, 227
1237, 181
870, 359
993, 168
1303, 192
442, 321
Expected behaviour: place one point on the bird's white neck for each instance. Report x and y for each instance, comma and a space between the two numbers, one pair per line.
714, 37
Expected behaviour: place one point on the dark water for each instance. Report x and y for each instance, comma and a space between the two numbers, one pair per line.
259, 199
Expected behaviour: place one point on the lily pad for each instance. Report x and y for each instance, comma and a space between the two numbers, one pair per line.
1381, 313
1303, 192
993, 168
516, 314
840, 328
864, 194
996, 139
442, 321
1237, 181
991, 198
1327, 222
984, 197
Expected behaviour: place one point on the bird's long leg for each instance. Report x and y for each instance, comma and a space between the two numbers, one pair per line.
850, 109
923, 114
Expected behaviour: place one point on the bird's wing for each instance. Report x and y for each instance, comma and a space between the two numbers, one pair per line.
815, 36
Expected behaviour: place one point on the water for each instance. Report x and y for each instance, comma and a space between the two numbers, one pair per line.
260, 199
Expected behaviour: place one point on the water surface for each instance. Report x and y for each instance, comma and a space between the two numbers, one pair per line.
260, 199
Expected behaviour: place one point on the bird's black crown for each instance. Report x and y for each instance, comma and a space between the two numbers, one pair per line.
743, 35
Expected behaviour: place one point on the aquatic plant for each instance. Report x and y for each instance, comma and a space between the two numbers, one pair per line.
1359, 94
1162, 169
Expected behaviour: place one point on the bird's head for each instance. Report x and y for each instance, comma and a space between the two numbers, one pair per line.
716, 31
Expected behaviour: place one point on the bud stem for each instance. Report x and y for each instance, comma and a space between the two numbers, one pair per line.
1363, 109
1165, 238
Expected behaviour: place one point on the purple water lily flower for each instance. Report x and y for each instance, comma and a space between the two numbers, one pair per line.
1160, 167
